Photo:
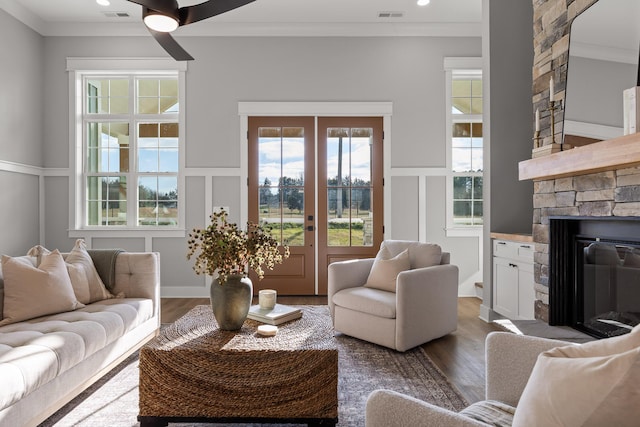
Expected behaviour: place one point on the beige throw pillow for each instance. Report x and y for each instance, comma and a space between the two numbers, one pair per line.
86, 281
593, 384
31, 291
420, 254
385, 270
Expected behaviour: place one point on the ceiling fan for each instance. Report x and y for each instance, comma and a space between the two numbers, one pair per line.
163, 16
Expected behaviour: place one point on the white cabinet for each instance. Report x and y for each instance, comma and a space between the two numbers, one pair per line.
513, 288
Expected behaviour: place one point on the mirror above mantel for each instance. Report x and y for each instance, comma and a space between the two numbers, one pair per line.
603, 62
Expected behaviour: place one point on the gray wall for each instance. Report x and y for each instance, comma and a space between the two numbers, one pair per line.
407, 71
507, 43
21, 134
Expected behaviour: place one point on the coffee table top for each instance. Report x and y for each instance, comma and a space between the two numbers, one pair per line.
198, 330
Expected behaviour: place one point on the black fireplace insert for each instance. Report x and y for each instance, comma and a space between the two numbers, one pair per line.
594, 274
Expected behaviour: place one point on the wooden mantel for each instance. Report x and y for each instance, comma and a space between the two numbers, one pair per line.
612, 154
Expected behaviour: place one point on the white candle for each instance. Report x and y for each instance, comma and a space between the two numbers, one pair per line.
551, 89
537, 120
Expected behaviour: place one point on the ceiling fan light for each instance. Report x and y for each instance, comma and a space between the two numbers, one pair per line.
160, 22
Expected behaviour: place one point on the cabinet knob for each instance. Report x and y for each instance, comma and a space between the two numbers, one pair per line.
513, 265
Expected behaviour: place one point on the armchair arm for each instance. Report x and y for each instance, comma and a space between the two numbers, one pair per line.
346, 274
510, 360
387, 408
426, 304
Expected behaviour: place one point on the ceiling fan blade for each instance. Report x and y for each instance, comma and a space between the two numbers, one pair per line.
198, 12
167, 7
171, 46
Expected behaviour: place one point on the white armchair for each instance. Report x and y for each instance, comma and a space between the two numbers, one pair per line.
551, 382
510, 360
423, 307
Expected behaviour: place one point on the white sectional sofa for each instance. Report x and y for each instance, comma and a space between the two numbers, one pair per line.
47, 361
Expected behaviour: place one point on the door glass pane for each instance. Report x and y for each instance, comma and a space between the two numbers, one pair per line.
281, 169
349, 187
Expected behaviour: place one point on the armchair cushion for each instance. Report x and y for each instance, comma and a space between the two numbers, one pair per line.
588, 385
386, 268
366, 300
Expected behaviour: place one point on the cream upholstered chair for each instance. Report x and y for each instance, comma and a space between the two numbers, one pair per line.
535, 382
367, 301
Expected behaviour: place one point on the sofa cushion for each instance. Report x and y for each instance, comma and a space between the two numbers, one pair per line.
386, 268
87, 284
36, 351
36, 291
584, 385
367, 300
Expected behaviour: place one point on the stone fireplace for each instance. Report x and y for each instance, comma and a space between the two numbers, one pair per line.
600, 180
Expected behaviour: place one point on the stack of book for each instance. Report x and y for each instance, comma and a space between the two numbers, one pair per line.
279, 314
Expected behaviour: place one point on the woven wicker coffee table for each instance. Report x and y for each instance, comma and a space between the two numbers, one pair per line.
194, 372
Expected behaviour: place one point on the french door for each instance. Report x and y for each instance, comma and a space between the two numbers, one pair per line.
317, 183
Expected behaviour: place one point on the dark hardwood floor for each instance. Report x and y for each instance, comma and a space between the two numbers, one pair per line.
459, 355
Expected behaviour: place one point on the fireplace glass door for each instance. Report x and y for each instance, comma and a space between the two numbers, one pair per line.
607, 286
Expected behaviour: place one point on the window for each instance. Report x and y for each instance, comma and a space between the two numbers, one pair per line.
128, 150
465, 139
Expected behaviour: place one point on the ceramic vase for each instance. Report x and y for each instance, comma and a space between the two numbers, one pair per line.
230, 302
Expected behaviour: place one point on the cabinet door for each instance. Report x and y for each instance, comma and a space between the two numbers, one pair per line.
526, 291
505, 287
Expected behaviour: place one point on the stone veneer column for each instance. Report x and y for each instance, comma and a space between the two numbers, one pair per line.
551, 24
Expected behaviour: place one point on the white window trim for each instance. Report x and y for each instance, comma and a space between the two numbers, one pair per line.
77, 69
460, 66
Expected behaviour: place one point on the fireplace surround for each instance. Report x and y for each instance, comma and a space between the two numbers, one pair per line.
598, 180
594, 283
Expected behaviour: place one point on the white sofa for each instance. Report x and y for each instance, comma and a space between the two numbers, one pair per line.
47, 361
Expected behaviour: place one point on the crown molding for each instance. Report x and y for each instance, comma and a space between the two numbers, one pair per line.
226, 29
453, 29
24, 15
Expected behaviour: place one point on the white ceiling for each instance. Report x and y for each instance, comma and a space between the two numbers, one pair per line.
262, 17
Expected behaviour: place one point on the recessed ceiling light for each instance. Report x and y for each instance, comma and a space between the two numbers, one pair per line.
423, 2
103, 2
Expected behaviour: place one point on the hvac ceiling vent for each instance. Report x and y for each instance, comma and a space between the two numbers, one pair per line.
116, 14
390, 14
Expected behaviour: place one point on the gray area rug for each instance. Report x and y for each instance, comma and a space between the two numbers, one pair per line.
362, 368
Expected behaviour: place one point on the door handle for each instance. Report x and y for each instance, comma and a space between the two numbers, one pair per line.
310, 228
